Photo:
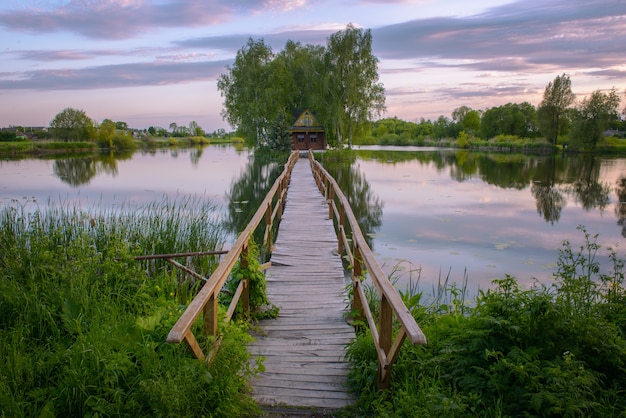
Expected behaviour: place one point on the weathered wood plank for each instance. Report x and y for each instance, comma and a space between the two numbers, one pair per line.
304, 348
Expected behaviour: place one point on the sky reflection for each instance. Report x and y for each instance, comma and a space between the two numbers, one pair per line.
143, 178
472, 229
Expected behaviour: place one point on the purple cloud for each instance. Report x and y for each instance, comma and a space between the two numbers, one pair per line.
117, 20
113, 76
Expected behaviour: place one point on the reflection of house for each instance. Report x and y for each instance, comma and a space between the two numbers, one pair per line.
306, 132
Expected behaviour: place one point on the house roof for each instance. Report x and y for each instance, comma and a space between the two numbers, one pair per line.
305, 120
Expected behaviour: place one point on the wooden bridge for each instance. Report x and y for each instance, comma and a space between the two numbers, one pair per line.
304, 348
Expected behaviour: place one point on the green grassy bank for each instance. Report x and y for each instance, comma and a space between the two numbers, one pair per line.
550, 351
83, 325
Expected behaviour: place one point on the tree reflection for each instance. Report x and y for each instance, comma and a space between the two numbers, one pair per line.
79, 171
549, 199
250, 188
196, 154
75, 171
620, 206
586, 188
366, 205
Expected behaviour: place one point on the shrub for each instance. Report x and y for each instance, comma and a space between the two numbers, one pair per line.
548, 351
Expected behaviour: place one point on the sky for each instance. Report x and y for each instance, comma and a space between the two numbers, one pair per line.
156, 62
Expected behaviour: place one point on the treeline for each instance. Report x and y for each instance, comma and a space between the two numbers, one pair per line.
74, 126
557, 119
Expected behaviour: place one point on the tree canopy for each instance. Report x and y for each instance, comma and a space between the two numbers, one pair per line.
592, 116
72, 125
557, 98
339, 83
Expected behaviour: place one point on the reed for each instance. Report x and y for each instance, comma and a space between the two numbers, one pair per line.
83, 325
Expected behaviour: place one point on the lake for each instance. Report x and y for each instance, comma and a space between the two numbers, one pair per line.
428, 213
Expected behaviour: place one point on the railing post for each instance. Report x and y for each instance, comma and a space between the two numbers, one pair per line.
357, 272
341, 221
330, 199
268, 226
209, 315
385, 339
245, 294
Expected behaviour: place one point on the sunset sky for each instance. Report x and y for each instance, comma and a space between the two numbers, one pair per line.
155, 62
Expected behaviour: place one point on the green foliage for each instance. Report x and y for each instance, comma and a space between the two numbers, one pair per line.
462, 140
72, 125
592, 117
280, 138
547, 351
339, 83
256, 282
553, 109
8, 137
83, 325
510, 119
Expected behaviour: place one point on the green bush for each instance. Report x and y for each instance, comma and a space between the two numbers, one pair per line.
8, 137
548, 351
83, 325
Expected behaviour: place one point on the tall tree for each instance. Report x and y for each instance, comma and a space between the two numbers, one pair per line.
557, 98
72, 125
245, 87
106, 132
354, 92
592, 117
467, 118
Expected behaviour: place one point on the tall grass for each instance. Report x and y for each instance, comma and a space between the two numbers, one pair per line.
551, 350
83, 325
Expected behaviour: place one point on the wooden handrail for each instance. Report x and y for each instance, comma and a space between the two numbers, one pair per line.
205, 301
360, 256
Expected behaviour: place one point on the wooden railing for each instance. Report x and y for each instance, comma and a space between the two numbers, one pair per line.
362, 259
206, 301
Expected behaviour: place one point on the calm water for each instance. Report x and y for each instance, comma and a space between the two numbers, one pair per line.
139, 178
482, 215
473, 215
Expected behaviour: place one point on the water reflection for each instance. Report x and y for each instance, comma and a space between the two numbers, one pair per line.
620, 207
366, 205
550, 178
248, 190
475, 214
78, 171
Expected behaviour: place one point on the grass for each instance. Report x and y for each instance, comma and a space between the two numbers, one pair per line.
548, 351
83, 325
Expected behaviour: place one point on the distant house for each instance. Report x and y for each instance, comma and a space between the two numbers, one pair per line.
613, 132
306, 132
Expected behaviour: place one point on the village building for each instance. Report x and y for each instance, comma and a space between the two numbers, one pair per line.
306, 132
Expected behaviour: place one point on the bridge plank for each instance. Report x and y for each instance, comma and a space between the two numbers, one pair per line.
304, 348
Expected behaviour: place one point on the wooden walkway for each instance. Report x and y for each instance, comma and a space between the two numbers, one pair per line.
304, 348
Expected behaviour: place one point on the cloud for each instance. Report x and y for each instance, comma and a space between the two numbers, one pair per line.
276, 40
113, 76
517, 36
116, 19
61, 55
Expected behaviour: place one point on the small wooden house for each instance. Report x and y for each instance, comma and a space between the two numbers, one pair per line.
306, 132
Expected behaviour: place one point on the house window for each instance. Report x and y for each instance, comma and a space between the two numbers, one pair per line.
313, 138
300, 138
